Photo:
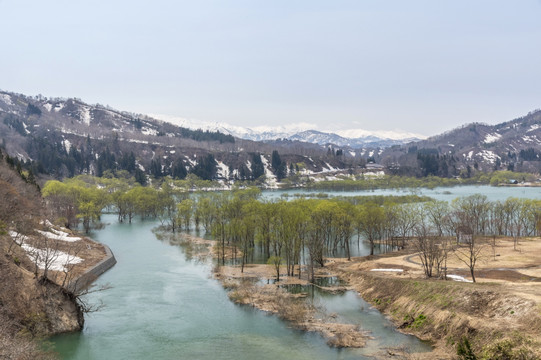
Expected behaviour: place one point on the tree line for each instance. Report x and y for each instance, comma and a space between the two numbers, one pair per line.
302, 231
366, 182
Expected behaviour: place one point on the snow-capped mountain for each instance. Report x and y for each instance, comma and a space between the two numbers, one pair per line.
354, 138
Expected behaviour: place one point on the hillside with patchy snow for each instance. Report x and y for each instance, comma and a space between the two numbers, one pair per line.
513, 145
59, 137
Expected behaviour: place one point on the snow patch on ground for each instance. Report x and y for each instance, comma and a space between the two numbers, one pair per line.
46, 222
22, 157
57, 260
136, 141
84, 115
67, 145
458, 278
6, 98
527, 139
59, 107
490, 138
48, 106
534, 127
192, 162
17, 237
271, 178
330, 168
149, 131
222, 170
58, 235
26, 128
489, 156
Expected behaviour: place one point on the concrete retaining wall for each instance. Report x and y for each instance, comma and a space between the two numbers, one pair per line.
94, 272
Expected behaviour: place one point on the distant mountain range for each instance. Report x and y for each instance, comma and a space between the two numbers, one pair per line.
60, 137
305, 132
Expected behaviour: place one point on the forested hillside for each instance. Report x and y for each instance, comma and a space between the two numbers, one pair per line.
59, 138
514, 145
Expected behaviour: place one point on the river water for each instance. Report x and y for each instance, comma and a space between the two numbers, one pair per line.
494, 193
164, 305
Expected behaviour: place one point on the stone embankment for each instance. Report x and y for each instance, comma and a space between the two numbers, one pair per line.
91, 274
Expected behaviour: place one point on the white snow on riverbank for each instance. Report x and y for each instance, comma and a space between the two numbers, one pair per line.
58, 235
17, 237
56, 260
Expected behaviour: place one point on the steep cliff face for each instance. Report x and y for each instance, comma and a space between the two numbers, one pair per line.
33, 306
30, 307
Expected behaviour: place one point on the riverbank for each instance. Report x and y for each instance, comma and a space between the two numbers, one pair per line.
499, 315
74, 261
92, 270
255, 287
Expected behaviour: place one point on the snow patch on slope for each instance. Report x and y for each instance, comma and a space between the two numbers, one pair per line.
6, 99
67, 145
149, 131
489, 156
56, 260
271, 178
534, 127
222, 170
84, 114
58, 235
490, 138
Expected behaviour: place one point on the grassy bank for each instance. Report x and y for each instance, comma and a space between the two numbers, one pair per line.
497, 323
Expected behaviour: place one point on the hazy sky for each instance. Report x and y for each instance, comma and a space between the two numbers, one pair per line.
424, 66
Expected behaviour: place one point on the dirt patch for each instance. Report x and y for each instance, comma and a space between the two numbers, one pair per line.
498, 274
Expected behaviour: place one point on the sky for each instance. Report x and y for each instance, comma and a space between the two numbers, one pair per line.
422, 66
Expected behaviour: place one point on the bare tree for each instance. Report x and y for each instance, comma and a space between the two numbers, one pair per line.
469, 253
70, 262
429, 251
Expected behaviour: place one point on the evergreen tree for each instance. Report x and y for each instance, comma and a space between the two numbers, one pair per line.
156, 168
278, 166
205, 168
178, 171
258, 169
140, 177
